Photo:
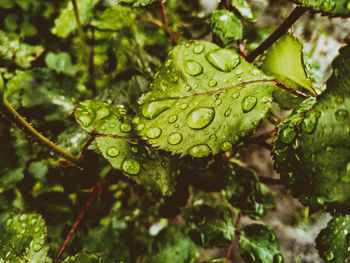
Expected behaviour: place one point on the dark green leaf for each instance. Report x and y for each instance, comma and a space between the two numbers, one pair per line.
328, 7
333, 242
258, 244
84, 257
204, 100
173, 245
208, 226
226, 26
23, 239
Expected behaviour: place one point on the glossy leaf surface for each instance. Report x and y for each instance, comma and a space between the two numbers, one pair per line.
328, 7
226, 26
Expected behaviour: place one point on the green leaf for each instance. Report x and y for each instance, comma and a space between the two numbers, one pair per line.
258, 243
328, 7
333, 242
23, 239
61, 63
226, 26
138, 3
114, 135
173, 245
217, 260
22, 54
284, 60
312, 145
208, 226
244, 191
65, 24
85, 257
204, 100
244, 9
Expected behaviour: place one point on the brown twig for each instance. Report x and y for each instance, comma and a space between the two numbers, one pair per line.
97, 189
86, 146
241, 48
165, 24
280, 31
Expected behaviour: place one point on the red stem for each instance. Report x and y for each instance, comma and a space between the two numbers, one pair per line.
97, 189
238, 222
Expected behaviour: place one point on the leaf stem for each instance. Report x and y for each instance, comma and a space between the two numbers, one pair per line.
97, 189
80, 31
280, 31
237, 224
165, 24
291, 90
14, 116
260, 140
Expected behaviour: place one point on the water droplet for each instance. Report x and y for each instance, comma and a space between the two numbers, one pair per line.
212, 83
341, 115
227, 112
223, 59
248, 103
187, 87
188, 44
255, 72
226, 146
103, 112
176, 125
134, 149
174, 138
174, 78
198, 49
37, 229
327, 5
153, 109
125, 127
85, 119
239, 71
192, 67
235, 95
278, 258
200, 150
140, 127
329, 256
130, 166
184, 106
200, 117
36, 247
23, 217
288, 135
112, 151
153, 133
33, 221
168, 62
172, 118
239, 79
265, 99
213, 137
310, 123
218, 102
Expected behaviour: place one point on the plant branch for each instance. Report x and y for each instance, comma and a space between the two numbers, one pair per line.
241, 48
80, 31
260, 140
280, 31
290, 90
14, 116
165, 24
97, 189
91, 62
237, 223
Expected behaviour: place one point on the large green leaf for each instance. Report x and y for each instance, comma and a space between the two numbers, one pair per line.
244, 191
115, 138
259, 244
328, 7
23, 239
312, 146
208, 226
333, 242
173, 245
226, 26
204, 100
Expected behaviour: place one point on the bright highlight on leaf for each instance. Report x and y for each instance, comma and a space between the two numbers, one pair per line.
202, 91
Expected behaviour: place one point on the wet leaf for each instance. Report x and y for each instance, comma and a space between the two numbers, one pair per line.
201, 91
84, 257
138, 3
327, 7
244, 9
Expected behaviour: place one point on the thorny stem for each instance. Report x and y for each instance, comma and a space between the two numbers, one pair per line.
237, 223
280, 31
97, 189
14, 116
80, 31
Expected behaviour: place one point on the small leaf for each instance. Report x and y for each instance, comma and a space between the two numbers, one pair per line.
226, 26
173, 245
327, 7
84, 257
201, 91
138, 3
244, 9
333, 242
208, 226
115, 139
23, 239
217, 260
258, 243
61, 63
312, 145
244, 191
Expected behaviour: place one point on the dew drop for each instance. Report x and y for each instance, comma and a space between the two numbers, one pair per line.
218, 102
223, 59
227, 112
200, 117
213, 137
153, 109
23, 217
187, 88
134, 149
188, 44
265, 99
125, 127
130, 166
200, 150
310, 123
112, 151
172, 119
153, 133
37, 229
168, 62
248, 103
33, 221
85, 120
103, 112
235, 95
37, 247
174, 138
288, 135
192, 67
140, 127
212, 83
226, 146
327, 5
198, 49
184, 106
174, 78
341, 115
